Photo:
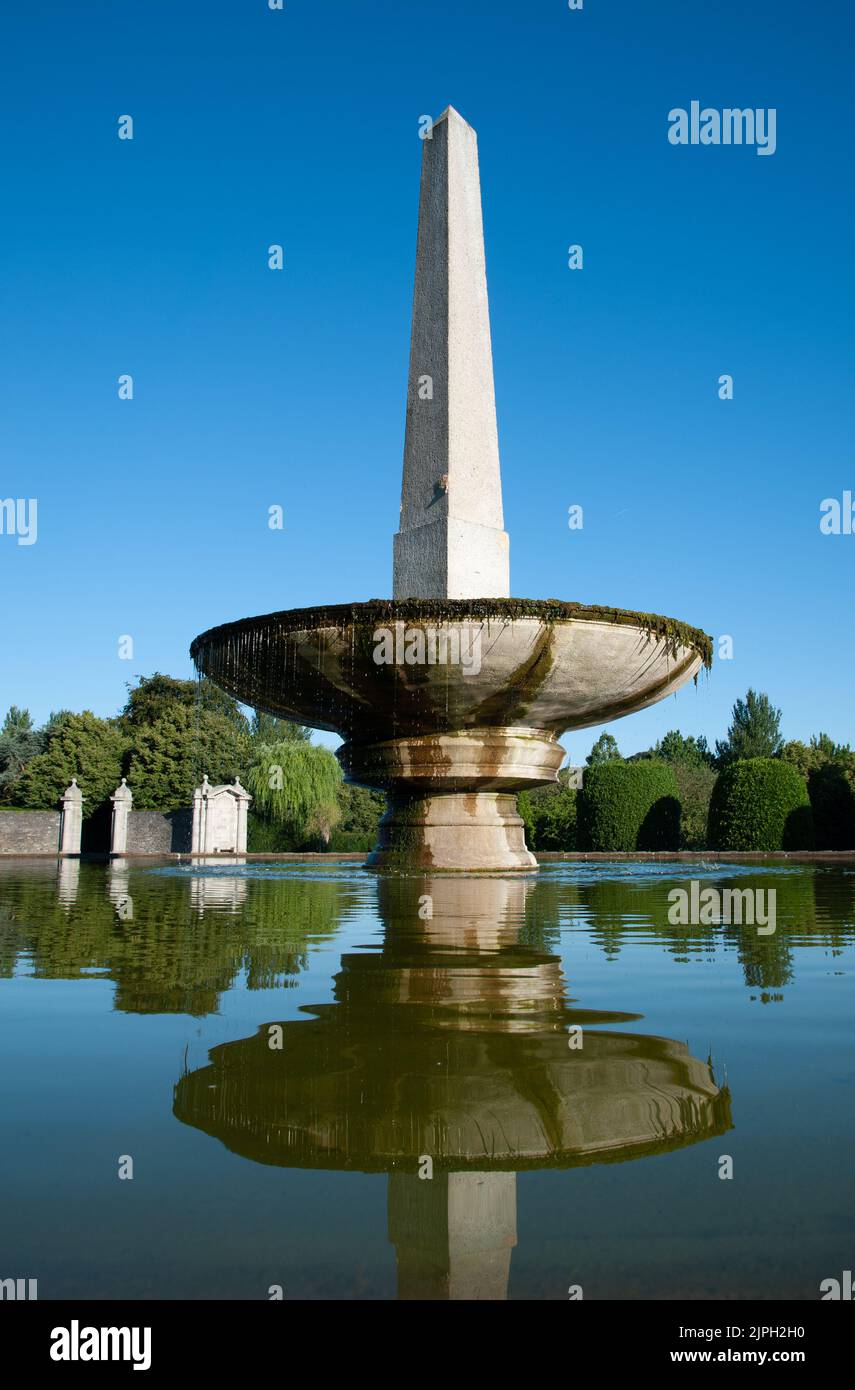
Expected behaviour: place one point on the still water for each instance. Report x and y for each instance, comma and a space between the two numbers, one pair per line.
281, 1048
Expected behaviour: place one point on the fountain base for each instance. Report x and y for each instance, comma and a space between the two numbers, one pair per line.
459, 831
452, 797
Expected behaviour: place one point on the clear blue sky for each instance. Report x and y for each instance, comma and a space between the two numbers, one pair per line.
255, 388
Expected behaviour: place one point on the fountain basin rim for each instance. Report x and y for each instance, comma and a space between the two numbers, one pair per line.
382, 612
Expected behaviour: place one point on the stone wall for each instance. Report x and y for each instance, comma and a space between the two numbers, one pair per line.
29, 832
153, 832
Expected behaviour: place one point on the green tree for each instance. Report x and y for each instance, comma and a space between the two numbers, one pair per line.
755, 731
831, 788
695, 783
805, 757
17, 721
799, 755
555, 821
693, 766
170, 756
549, 815
78, 745
605, 750
154, 697
266, 728
525, 811
296, 783
829, 769
827, 751
691, 751
360, 810
19, 742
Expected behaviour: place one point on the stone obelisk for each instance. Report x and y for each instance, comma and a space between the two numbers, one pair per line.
451, 542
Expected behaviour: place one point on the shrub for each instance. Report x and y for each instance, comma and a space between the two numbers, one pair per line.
629, 806
555, 819
361, 809
832, 797
760, 804
549, 815
352, 841
695, 784
525, 811
265, 836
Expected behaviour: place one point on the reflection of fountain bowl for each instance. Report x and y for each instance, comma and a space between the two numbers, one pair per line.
452, 740
479, 1101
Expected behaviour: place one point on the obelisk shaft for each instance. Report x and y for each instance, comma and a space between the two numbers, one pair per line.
451, 542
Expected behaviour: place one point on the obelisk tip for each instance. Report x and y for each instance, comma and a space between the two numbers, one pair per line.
451, 114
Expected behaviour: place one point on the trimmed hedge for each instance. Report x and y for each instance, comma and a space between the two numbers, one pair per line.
629, 806
760, 804
832, 799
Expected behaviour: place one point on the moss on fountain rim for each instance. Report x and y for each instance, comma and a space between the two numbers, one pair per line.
381, 611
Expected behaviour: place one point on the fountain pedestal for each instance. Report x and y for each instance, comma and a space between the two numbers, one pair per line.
452, 796
452, 830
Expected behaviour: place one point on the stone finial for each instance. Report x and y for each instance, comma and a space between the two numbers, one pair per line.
71, 819
451, 542
122, 800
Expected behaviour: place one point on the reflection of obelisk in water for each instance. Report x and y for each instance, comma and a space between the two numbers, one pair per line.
451, 1044
453, 1234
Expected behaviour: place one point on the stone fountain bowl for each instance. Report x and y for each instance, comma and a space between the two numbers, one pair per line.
392, 669
452, 706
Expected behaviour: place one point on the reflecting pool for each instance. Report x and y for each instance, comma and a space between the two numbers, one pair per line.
344, 1085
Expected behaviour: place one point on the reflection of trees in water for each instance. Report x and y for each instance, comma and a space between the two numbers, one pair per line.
181, 945
814, 907
186, 937
834, 893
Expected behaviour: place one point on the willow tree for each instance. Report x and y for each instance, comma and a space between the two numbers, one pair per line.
296, 783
